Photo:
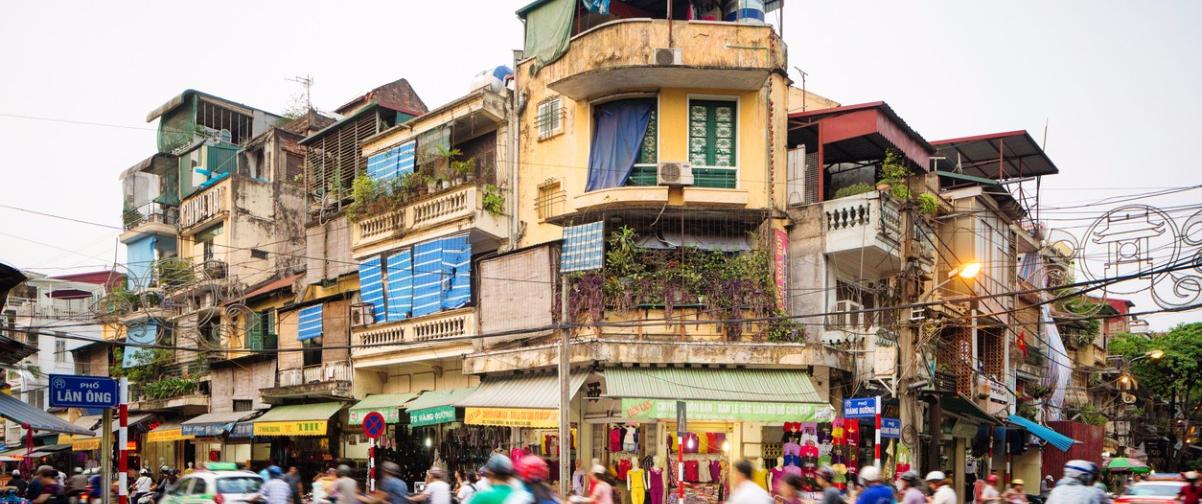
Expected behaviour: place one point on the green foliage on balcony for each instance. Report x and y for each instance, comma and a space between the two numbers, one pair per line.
169, 387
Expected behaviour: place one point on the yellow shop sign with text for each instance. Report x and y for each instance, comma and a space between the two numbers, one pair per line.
296, 428
512, 417
167, 435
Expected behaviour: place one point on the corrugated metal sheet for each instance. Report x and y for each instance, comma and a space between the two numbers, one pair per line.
435, 398
18, 411
1088, 447
766, 385
399, 273
1054, 438
533, 391
224, 417
374, 401
298, 412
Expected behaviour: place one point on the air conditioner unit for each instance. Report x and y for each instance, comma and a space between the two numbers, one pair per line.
361, 315
674, 173
847, 313
668, 56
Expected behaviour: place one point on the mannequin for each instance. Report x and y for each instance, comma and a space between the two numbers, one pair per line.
655, 481
776, 473
636, 482
760, 475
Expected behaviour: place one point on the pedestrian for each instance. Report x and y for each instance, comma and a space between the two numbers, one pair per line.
825, 476
941, 492
392, 484
437, 491
498, 473
466, 485
49, 492
874, 491
1045, 487
95, 486
77, 485
346, 489
18, 482
276, 490
1015, 494
1191, 493
989, 493
790, 490
1076, 487
533, 471
911, 489
323, 486
142, 486
744, 490
578, 478
293, 479
34, 488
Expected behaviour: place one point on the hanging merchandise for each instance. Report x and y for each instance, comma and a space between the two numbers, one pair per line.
615, 439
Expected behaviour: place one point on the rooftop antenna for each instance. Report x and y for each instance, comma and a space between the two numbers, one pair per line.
1044, 143
306, 81
803, 86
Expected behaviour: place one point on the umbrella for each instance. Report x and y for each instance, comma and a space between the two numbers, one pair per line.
1124, 464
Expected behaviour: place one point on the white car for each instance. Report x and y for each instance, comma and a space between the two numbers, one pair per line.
219, 484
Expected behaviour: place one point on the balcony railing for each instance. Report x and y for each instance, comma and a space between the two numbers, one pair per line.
377, 339
324, 372
150, 213
202, 207
864, 226
463, 202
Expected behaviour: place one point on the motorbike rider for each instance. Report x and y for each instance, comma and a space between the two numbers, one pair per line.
1076, 487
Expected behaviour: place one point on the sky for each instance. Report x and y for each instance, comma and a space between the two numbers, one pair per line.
1115, 83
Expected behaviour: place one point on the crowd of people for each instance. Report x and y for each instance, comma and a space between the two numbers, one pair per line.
504, 481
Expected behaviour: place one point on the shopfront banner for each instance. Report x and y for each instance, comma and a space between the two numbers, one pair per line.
891, 428
514, 417
431, 416
243, 430
636, 408
204, 430
85, 444
166, 435
391, 415
297, 428
859, 407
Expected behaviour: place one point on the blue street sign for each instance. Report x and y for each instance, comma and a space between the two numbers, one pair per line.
859, 407
891, 428
70, 391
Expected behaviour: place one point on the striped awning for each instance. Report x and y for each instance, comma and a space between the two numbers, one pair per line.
524, 391
766, 385
22, 413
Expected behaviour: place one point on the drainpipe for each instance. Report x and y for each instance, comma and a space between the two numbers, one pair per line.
513, 153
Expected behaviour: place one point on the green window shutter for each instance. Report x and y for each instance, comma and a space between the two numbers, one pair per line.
649, 150
254, 331
713, 130
270, 339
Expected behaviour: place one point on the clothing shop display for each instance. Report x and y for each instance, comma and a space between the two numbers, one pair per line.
692, 468
657, 485
760, 477
637, 479
775, 475
715, 441
630, 441
624, 466
615, 439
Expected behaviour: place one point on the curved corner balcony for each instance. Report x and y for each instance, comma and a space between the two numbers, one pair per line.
634, 54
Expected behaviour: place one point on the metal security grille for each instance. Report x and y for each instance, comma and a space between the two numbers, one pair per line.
333, 162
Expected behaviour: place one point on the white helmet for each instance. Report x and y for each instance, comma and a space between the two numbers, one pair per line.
936, 476
870, 474
1081, 470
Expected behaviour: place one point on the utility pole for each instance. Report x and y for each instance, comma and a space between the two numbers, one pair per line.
106, 456
565, 369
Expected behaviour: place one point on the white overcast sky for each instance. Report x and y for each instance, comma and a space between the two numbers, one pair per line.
1118, 82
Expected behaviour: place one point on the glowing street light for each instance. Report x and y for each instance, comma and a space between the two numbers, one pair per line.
967, 271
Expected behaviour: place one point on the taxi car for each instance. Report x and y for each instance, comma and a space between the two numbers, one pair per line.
218, 483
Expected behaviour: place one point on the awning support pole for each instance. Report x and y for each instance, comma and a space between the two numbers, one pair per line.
565, 431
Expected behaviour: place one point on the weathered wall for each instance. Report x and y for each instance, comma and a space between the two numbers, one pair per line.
243, 382
336, 330
519, 289
440, 374
328, 250
289, 358
807, 266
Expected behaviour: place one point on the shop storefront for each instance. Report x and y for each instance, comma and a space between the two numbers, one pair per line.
304, 435
355, 444
167, 445
431, 429
242, 447
209, 432
85, 449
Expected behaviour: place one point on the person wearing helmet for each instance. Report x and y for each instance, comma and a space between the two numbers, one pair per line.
1191, 493
825, 476
276, 490
346, 489
1015, 494
498, 471
989, 492
910, 486
874, 492
942, 492
392, 484
533, 471
601, 490
1076, 487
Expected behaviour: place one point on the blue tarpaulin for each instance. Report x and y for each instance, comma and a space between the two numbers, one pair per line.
1046, 433
400, 285
427, 278
140, 333
140, 262
309, 324
583, 247
371, 287
392, 163
618, 134
457, 271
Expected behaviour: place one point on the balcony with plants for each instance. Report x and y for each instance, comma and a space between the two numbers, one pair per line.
159, 382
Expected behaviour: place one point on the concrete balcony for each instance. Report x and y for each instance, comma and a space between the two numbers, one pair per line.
328, 380
205, 207
428, 329
625, 55
864, 229
150, 219
459, 208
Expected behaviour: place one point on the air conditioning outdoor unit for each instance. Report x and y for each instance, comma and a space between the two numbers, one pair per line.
361, 315
668, 56
674, 173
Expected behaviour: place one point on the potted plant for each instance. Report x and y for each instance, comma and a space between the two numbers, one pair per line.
928, 204
431, 184
463, 169
893, 173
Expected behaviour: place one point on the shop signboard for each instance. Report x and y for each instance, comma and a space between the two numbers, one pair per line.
204, 430
85, 444
167, 435
294, 428
891, 428
859, 407
780, 271
391, 415
682, 418
511, 417
70, 391
665, 409
432, 416
243, 430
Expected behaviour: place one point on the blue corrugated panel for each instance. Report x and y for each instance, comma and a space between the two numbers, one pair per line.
400, 285
141, 333
427, 278
392, 163
309, 326
583, 247
457, 272
371, 287
1046, 433
139, 261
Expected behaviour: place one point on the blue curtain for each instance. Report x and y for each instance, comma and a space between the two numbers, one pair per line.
618, 132
142, 333
371, 287
400, 285
140, 262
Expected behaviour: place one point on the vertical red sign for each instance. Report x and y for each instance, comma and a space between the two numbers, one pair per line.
780, 253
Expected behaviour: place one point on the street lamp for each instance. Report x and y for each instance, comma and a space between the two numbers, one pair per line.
966, 271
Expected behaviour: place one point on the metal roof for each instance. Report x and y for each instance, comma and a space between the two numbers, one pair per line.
999, 156
755, 385
375, 401
436, 398
298, 412
859, 132
179, 99
523, 391
22, 413
224, 417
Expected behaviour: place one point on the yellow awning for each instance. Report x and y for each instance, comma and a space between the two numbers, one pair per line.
85, 444
512, 417
166, 433
296, 420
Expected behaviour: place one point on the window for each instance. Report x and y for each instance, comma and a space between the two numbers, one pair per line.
550, 118
205, 240
238, 485
853, 303
645, 163
312, 351
198, 488
60, 351
243, 404
712, 134
258, 254
552, 199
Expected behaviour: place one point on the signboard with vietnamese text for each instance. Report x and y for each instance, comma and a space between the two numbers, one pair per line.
859, 407
512, 417
431, 416
749, 411
167, 435
70, 391
891, 428
298, 428
780, 267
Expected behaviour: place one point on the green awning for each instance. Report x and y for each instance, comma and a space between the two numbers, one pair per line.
539, 391
299, 412
748, 385
436, 398
388, 405
966, 409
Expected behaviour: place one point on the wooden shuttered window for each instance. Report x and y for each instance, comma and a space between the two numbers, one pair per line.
333, 161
